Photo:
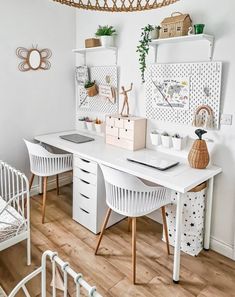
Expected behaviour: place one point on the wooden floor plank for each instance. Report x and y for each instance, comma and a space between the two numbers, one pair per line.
208, 275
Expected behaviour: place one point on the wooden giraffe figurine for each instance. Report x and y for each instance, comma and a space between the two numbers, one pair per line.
125, 102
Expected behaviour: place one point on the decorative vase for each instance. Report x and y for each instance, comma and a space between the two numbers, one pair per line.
107, 41
198, 156
92, 91
199, 28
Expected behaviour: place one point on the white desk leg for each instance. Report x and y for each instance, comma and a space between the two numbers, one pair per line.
209, 199
179, 211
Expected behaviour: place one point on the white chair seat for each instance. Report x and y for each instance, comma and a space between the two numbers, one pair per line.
11, 222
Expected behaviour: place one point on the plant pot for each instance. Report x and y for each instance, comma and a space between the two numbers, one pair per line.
199, 28
90, 125
198, 156
107, 41
166, 141
179, 143
99, 128
154, 34
92, 91
155, 138
81, 125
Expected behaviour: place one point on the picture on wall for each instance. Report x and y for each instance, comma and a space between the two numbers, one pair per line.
171, 93
81, 74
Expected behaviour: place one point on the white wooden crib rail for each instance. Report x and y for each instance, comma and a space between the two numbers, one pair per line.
14, 208
67, 272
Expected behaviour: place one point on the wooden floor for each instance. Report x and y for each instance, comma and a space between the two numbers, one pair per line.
209, 274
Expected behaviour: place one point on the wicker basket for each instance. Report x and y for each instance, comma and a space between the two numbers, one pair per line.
176, 25
198, 156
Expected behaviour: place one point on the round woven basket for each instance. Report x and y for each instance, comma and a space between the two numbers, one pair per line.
198, 156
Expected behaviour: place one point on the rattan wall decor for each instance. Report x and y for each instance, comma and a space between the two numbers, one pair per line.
117, 5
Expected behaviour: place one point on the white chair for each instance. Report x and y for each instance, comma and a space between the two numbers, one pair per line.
44, 164
129, 196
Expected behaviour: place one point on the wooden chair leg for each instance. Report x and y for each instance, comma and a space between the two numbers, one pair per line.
129, 224
165, 229
57, 184
134, 250
103, 229
31, 181
44, 198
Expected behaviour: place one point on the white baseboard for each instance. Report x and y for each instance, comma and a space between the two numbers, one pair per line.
65, 179
222, 248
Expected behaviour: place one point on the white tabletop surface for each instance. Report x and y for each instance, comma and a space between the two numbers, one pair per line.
181, 178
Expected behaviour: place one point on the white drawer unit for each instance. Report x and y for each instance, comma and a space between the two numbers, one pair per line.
126, 132
89, 203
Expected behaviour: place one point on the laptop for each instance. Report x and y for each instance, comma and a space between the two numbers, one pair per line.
154, 162
76, 138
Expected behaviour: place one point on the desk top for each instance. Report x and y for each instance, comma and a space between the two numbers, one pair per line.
181, 178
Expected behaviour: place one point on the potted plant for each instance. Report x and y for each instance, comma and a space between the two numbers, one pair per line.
166, 140
155, 138
89, 124
179, 142
91, 88
98, 126
81, 123
154, 34
143, 48
106, 34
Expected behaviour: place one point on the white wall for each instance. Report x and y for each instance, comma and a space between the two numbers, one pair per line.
219, 20
34, 102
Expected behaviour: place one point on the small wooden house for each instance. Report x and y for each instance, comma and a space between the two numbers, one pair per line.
176, 25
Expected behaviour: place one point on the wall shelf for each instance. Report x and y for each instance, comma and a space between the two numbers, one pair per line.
209, 38
84, 51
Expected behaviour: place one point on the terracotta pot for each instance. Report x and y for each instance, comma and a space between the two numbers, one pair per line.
92, 91
198, 156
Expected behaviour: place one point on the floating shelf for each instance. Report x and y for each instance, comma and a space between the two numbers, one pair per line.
194, 37
84, 51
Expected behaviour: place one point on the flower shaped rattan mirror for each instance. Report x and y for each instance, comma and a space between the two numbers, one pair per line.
33, 59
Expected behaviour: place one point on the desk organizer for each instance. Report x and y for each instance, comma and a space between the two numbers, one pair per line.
193, 220
126, 132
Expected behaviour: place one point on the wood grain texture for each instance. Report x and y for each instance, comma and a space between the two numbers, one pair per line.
208, 275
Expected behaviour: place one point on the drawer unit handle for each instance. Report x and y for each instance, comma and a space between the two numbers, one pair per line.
126, 130
118, 137
128, 121
84, 160
83, 170
84, 196
119, 119
84, 181
85, 210
111, 127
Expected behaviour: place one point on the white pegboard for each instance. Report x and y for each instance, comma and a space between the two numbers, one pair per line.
97, 103
200, 75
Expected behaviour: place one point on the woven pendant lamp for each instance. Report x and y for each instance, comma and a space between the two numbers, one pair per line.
117, 5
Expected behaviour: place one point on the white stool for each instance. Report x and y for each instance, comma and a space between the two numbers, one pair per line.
45, 164
129, 196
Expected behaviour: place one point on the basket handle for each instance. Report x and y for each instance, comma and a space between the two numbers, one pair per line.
176, 13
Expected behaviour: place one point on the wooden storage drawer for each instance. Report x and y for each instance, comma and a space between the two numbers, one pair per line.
87, 203
120, 142
119, 123
85, 175
86, 219
126, 134
87, 189
111, 130
109, 121
85, 164
129, 124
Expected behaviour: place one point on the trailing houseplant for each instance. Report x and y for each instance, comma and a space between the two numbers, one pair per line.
106, 34
143, 48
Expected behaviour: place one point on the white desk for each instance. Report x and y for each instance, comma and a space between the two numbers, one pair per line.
181, 178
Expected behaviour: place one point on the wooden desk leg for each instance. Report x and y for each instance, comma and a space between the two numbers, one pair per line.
209, 199
179, 212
